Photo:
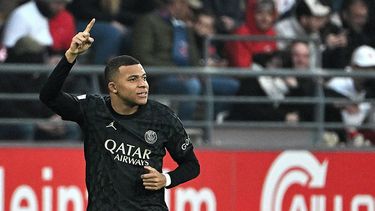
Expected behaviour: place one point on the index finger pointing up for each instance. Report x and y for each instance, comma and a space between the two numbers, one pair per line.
89, 26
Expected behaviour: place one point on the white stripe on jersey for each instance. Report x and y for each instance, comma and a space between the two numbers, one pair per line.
81, 97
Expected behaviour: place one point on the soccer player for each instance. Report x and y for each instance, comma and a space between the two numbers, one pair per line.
125, 134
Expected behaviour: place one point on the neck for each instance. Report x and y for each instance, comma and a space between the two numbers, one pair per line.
122, 107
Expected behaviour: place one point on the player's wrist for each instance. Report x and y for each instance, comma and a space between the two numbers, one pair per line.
168, 180
70, 55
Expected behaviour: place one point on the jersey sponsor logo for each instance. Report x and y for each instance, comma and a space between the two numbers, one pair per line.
128, 153
151, 137
112, 125
186, 144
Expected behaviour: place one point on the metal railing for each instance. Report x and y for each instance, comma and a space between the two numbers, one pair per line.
316, 73
207, 98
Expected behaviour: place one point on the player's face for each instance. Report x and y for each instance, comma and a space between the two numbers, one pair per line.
131, 85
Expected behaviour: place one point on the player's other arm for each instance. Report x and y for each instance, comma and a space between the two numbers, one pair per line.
62, 103
188, 168
182, 151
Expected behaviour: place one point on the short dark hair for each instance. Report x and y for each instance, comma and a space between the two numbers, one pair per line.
348, 3
161, 3
302, 9
296, 41
268, 5
115, 63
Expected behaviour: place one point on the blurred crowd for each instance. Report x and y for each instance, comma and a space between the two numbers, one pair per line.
173, 33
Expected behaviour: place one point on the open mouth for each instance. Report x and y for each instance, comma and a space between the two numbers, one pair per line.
142, 94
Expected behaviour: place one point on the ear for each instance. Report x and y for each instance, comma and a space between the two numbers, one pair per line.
112, 87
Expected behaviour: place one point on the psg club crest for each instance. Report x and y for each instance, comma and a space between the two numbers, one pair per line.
151, 137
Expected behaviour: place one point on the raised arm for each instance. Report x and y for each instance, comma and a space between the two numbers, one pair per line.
80, 43
64, 104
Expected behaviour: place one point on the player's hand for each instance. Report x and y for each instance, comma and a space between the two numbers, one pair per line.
80, 42
153, 180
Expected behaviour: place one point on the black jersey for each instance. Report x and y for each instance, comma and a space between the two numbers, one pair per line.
117, 147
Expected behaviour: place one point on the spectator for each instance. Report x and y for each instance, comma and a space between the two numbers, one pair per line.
354, 16
360, 15
31, 19
27, 20
228, 14
300, 55
108, 31
358, 89
164, 38
260, 18
284, 8
299, 87
310, 17
27, 50
6, 7
370, 26
348, 30
312, 21
35, 26
131, 11
204, 27
278, 88
154, 35
334, 47
349, 33
62, 27
273, 88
